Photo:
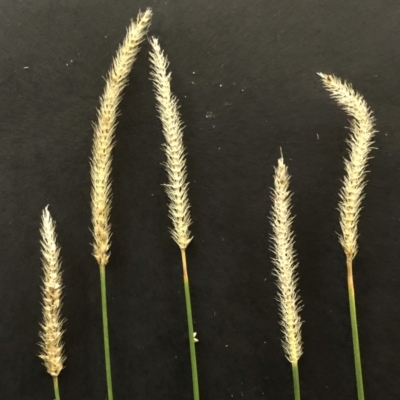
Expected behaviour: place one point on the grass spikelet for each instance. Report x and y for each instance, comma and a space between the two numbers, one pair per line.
362, 128
168, 108
360, 144
285, 270
177, 186
103, 143
104, 133
52, 352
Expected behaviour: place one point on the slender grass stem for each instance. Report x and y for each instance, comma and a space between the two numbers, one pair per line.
195, 379
354, 330
296, 381
55, 384
105, 332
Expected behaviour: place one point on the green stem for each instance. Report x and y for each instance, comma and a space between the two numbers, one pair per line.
195, 379
296, 381
105, 331
354, 330
56, 391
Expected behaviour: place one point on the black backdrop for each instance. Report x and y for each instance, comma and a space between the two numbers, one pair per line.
245, 74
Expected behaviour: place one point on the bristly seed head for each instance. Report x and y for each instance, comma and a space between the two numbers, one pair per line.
362, 129
168, 108
52, 352
104, 130
285, 263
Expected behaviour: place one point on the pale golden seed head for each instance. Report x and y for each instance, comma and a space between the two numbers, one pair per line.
104, 133
51, 344
168, 108
360, 143
285, 261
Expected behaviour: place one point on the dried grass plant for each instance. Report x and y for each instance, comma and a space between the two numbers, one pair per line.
103, 143
52, 351
285, 261
177, 186
362, 128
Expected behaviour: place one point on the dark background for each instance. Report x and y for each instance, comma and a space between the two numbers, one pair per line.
245, 75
